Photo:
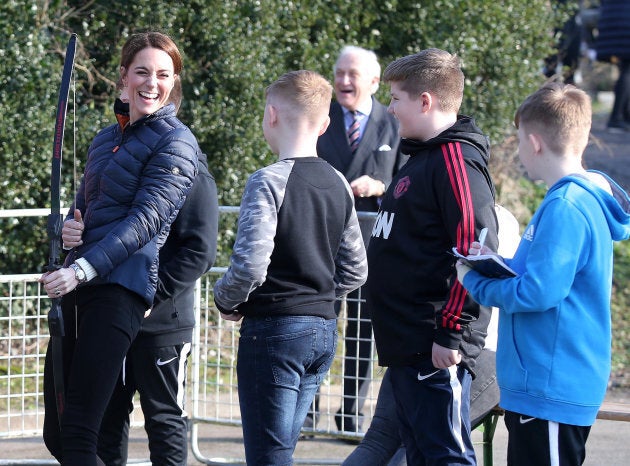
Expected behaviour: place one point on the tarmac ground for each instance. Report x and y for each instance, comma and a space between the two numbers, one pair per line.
608, 445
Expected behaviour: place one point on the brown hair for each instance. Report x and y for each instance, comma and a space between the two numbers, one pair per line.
156, 40
432, 70
560, 113
302, 93
175, 97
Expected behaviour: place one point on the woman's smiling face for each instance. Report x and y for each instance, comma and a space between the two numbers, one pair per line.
149, 81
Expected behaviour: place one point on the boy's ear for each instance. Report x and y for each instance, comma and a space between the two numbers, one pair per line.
324, 126
536, 142
273, 115
426, 102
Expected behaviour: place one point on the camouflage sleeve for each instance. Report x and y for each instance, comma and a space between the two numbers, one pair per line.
351, 262
258, 218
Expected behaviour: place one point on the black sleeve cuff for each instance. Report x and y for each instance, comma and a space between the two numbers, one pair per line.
222, 310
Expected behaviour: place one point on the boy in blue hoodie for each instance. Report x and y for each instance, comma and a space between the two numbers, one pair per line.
554, 348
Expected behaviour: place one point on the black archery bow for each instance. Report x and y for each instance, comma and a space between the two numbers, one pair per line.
55, 223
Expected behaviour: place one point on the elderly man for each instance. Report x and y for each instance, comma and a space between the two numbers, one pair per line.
362, 143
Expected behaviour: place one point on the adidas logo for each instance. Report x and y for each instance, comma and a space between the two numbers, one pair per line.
529, 233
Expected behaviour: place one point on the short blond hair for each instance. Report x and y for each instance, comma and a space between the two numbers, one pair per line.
432, 70
560, 113
303, 94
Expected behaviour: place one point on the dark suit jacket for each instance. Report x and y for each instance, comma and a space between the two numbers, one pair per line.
372, 158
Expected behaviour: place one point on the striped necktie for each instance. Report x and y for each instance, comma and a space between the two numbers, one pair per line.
354, 133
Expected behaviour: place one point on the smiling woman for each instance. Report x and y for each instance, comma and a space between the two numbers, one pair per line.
149, 67
149, 81
135, 181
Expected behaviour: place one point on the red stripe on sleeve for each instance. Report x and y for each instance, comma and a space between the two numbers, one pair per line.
465, 235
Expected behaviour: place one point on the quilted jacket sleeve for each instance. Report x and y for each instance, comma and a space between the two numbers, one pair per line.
163, 184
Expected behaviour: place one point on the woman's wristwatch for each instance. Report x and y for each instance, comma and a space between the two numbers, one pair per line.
79, 274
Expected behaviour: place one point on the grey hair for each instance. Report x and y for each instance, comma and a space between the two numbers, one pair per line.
371, 60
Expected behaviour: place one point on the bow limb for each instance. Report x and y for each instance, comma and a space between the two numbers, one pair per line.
55, 223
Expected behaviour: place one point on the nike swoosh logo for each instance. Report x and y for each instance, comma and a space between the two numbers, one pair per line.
525, 420
159, 362
422, 377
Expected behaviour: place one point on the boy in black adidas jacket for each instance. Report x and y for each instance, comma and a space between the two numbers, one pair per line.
427, 329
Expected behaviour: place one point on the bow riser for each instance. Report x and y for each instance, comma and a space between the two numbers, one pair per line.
55, 219
55, 225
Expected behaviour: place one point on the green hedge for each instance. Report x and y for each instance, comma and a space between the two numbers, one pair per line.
233, 49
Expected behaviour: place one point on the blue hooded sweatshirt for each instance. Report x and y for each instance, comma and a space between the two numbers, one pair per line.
554, 346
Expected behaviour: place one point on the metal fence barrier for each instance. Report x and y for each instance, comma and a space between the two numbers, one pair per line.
212, 389
23, 341
214, 383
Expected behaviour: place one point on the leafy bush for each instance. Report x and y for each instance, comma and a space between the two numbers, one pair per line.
233, 50
621, 316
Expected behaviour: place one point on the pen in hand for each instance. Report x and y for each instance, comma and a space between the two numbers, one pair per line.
482, 239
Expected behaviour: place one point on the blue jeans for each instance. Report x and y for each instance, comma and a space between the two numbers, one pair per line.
281, 363
381, 444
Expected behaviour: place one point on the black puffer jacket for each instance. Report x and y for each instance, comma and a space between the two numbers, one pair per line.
133, 187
